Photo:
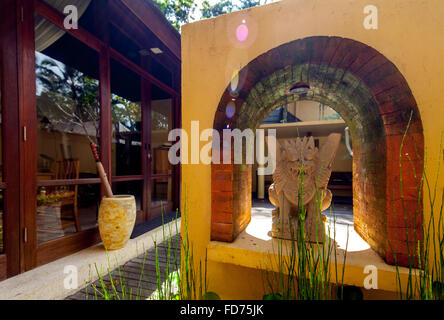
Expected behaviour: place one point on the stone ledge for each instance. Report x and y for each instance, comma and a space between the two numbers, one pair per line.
47, 282
254, 249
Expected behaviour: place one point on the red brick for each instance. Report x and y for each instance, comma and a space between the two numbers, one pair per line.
401, 234
222, 232
400, 128
412, 148
403, 256
396, 216
221, 217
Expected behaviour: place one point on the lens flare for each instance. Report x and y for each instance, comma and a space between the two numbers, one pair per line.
234, 81
230, 110
242, 32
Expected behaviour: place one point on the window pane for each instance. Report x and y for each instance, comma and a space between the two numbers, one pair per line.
67, 106
64, 210
161, 124
126, 121
134, 188
161, 192
67, 121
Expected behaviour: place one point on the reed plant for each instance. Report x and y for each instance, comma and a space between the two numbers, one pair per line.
113, 285
180, 279
425, 279
302, 269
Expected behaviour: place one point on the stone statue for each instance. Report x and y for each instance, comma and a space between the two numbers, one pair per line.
300, 186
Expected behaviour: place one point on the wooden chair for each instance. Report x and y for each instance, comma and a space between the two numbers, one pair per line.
65, 170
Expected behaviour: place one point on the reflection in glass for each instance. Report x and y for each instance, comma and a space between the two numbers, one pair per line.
161, 124
64, 210
161, 192
134, 188
67, 108
68, 113
126, 121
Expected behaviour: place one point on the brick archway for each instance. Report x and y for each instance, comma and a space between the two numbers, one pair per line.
376, 102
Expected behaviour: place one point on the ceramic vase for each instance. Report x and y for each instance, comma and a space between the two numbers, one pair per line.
117, 216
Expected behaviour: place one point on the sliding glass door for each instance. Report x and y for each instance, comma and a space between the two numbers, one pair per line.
161, 169
127, 161
68, 119
61, 90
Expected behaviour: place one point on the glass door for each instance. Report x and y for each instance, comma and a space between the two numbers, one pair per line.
67, 121
60, 90
161, 183
127, 159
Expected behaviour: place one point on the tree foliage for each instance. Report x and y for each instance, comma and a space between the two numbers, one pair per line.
226, 6
66, 93
179, 12
221, 7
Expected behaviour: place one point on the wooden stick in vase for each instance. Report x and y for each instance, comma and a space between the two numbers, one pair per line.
101, 170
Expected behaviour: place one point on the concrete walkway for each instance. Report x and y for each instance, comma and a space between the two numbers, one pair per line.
49, 282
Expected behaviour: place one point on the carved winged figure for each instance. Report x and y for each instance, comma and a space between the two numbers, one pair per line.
299, 189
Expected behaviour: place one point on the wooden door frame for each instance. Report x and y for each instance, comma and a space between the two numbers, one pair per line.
22, 224
10, 260
146, 141
28, 139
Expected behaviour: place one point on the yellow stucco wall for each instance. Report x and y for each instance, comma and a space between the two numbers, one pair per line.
409, 34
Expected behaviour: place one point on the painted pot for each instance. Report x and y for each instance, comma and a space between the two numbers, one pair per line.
117, 216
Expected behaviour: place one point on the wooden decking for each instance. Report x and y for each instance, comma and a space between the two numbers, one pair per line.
140, 284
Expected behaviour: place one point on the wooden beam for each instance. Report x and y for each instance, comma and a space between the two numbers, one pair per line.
127, 178
146, 140
70, 182
57, 18
177, 124
3, 266
56, 249
135, 30
157, 23
161, 176
105, 114
139, 70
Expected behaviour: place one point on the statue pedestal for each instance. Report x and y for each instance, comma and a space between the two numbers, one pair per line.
314, 227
